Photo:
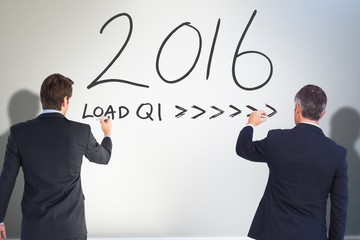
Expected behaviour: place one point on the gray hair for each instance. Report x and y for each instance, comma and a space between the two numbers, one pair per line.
312, 100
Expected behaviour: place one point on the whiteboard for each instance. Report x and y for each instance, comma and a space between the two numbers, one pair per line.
179, 78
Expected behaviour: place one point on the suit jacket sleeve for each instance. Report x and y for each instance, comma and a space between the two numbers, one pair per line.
339, 201
10, 170
98, 153
249, 149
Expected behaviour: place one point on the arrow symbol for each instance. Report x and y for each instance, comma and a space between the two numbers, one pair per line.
252, 108
274, 110
182, 113
238, 111
202, 111
267, 105
220, 111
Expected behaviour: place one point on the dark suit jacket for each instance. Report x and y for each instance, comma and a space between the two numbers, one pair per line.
304, 168
50, 149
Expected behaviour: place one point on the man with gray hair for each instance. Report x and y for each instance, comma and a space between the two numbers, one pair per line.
305, 167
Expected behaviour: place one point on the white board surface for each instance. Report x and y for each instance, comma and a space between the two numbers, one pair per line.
174, 93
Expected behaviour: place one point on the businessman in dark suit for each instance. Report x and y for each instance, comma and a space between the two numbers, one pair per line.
305, 167
49, 149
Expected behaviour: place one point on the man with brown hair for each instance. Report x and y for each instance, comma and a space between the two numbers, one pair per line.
305, 167
49, 149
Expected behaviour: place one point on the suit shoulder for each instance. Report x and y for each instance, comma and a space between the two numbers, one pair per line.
336, 146
79, 125
22, 125
279, 132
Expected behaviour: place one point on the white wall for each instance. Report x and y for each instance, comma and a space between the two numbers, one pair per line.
180, 176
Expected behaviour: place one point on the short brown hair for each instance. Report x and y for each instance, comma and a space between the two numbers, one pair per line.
53, 91
312, 100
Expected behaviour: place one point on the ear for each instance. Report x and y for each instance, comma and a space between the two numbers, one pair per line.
298, 108
64, 105
64, 102
322, 114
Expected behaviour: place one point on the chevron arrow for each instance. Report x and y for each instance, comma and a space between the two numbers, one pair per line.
202, 111
182, 113
274, 110
220, 111
252, 108
238, 111
268, 106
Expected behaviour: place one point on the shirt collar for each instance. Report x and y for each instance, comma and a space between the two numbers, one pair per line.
314, 124
50, 111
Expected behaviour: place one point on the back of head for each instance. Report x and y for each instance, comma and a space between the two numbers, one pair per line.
312, 100
53, 91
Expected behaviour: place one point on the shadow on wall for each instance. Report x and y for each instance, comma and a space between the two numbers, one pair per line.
23, 105
345, 130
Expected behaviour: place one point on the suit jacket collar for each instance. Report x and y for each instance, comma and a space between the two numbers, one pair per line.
309, 127
51, 115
